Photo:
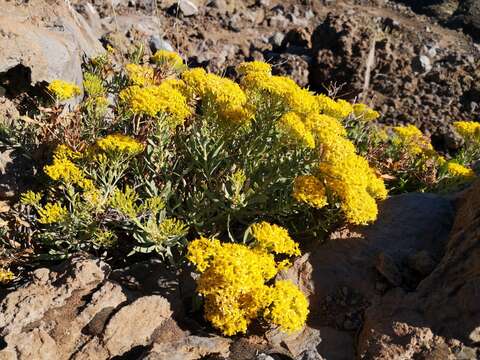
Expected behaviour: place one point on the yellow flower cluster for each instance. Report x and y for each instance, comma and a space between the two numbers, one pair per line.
346, 174
168, 58
289, 308
292, 125
224, 95
118, 143
93, 85
364, 113
254, 67
233, 283
65, 170
6, 276
63, 90
274, 239
52, 213
459, 172
469, 130
413, 139
141, 75
30, 198
309, 189
154, 99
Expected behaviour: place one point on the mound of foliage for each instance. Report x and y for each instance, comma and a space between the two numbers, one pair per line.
157, 154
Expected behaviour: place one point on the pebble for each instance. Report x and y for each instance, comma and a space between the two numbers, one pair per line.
157, 43
187, 8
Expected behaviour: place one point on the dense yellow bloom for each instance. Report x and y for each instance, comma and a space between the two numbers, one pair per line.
293, 127
196, 80
64, 152
63, 90
65, 170
310, 190
118, 143
413, 139
338, 109
201, 251
274, 238
289, 308
6, 276
254, 67
233, 279
93, 85
168, 58
459, 171
364, 113
141, 75
468, 129
349, 176
52, 213
225, 96
152, 100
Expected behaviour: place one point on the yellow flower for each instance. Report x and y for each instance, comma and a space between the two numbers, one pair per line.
6, 276
364, 113
289, 308
93, 85
52, 213
233, 279
118, 143
273, 238
152, 100
413, 139
201, 251
294, 128
254, 67
168, 58
63, 90
310, 190
468, 129
65, 170
141, 75
30, 198
459, 171
338, 109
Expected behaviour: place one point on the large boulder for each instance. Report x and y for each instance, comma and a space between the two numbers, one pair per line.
45, 39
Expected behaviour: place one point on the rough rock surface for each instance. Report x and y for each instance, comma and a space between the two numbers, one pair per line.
46, 40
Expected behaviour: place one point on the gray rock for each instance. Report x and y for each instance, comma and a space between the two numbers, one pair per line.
421, 64
143, 316
277, 39
187, 7
157, 43
51, 46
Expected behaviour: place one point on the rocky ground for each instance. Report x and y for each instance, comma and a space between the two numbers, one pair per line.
404, 288
414, 68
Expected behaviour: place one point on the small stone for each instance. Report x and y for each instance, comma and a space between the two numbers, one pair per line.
277, 39
187, 8
421, 64
157, 43
264, 357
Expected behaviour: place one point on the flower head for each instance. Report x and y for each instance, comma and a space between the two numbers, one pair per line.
118, 143
52, 213
273, 238
289, 308
168, 58
364, 113
63, 90
309, 189
6, 276
141, 75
